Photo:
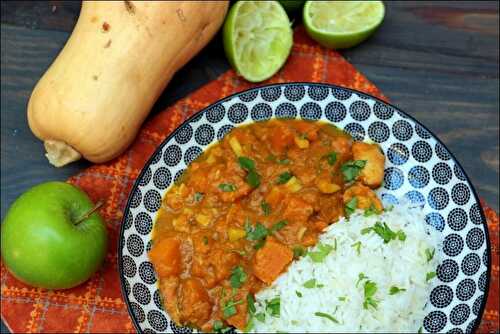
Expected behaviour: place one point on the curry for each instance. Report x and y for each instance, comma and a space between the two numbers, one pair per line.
247, 207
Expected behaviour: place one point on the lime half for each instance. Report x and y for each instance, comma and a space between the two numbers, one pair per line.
342, 24
257, 38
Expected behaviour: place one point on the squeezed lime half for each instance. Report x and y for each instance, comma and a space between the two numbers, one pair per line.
342, 24
257, 38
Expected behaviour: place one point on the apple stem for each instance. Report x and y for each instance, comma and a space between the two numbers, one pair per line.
88, 213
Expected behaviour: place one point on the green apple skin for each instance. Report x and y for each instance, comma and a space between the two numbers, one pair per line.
42, 246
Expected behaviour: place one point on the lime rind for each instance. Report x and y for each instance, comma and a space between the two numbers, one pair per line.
342, 24
257, 38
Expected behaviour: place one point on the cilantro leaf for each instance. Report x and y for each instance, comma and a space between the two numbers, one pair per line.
351, 169
246, 163
299, 251
257, 233
310, 284
321, 253
361, 276
227, 187
273, 306
238, 277
430, 275
266, 208
260, 316
394, 290
327, 316
429, 254
278, 226
298, 293
370, 288
385, 232
372, 210
251, 304
197, 197
331, 157
357, 246
253, 179
284, 177
284, 161
350, 206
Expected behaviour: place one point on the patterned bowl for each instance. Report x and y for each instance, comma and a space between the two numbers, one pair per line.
418, 168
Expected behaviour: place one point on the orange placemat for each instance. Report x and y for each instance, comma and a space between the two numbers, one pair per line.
97, 305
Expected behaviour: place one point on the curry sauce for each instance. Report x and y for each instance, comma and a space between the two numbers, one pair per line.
247, 207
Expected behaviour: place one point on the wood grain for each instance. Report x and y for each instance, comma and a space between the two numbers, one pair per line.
438, 61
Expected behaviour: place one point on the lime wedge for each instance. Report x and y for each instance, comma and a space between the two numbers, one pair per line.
257, 38
342, 24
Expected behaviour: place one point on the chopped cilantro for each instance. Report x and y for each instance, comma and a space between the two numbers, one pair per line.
429, 254
205, 240
197, 197
260, 316
251, 304
351, 169
350, 206
238, 277
227, 187
385, 232
298, 293
361, 277
257, 233
357, 246
284, 177
394, 290
229, 308
266, 208
327, 316
372, 210
321, 253
259, 244
342, 299
430, 275
310, 284
284, 161
273, 306
370, 288
278, 226
253, 179
246, 163
299, 251
271, 157
331, 158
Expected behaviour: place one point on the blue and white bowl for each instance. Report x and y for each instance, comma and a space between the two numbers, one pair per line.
418, 168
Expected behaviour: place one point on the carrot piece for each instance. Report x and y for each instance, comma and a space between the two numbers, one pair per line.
166, 256
271, 260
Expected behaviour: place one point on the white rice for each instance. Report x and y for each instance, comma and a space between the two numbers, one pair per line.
397, 263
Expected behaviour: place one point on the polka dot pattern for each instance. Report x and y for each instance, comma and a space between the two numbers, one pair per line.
418, 169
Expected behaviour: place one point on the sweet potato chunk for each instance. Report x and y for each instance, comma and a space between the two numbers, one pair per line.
194, 302
372, 174
297, 210
271, 260
166, 257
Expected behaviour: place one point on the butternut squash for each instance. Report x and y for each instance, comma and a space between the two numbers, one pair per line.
93, 99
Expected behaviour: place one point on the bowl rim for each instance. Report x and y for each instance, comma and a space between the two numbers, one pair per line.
159, 148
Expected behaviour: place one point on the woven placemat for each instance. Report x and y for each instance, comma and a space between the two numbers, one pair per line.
97, 305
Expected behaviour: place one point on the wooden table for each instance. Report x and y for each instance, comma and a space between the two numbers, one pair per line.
438, 61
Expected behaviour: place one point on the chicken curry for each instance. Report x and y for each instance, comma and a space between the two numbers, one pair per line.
247, 207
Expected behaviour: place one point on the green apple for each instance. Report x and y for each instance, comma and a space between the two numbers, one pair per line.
52, 238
